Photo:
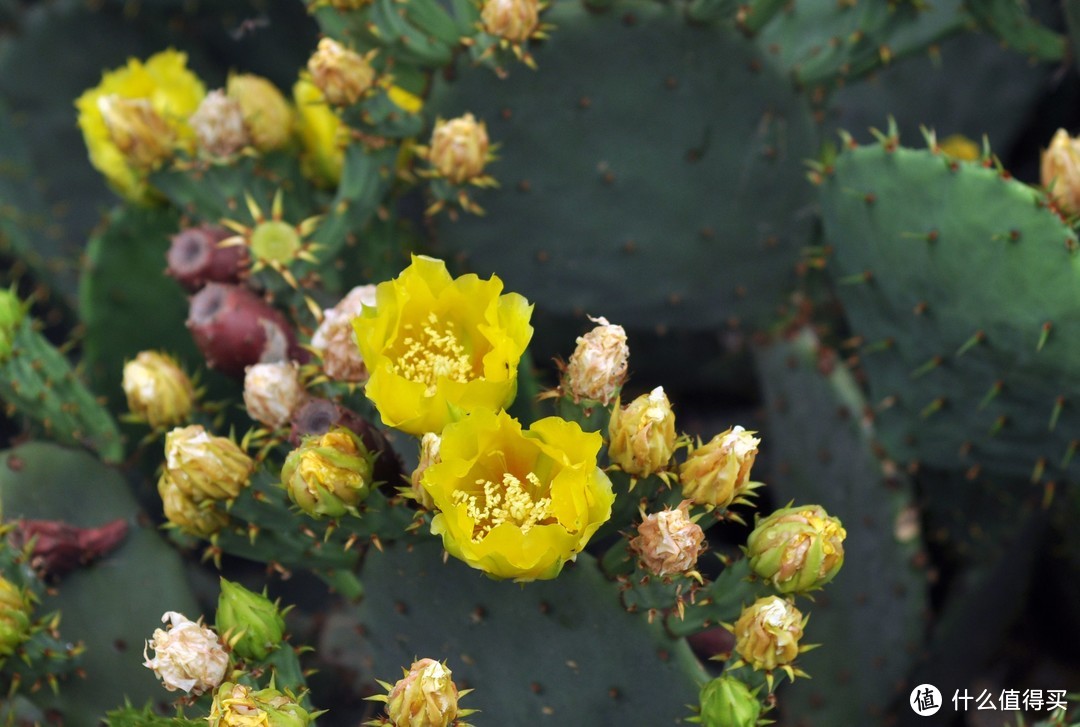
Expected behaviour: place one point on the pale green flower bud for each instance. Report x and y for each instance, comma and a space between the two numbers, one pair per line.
202, 519
643, 434
15, 611
727, 702
797, 549
12, 311
157, 389
249, 622
328, 475
237, 705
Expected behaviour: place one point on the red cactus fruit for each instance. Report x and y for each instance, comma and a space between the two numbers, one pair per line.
234, 328
195, 258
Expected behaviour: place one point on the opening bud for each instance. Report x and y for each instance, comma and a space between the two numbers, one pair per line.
797, 549
459, 148
335, 339
272, 392
158, 391
767, 633
718, 472
237, 705
512, 20
137, 130
267, 116
328, 475
205, 467
187, 656
642, 434
597, 368
341, 74
669, 542
219, 125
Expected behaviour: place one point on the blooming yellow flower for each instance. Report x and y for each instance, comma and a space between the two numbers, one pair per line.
322, 134
438, 346
513, 503
173, 93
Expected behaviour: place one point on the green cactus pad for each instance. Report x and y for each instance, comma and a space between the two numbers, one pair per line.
561, 652
673, 200
879, 590
107, 605
962, 287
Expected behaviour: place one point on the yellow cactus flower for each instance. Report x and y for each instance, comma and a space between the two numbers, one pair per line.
322, 134
438, 346
513, 503
267, 116
166, 92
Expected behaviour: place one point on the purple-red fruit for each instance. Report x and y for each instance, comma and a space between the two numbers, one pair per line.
195, 258
59, 548
234, 328
318, 416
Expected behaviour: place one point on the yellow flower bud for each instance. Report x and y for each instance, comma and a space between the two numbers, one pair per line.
1061, 171
15, 610
797, 549
237, 705
459, 148
272, 392
718, 472
429, 455
960, 147
669, 542
202, 519
206, 467
642, 434
137, 130
511, 20
219, 125
267, 116
187, 656
157, 389
329, 474
335, 339
597, 368
341, 74
425, 697
767, 633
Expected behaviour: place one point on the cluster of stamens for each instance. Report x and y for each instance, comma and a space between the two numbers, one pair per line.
507, 502
433, 353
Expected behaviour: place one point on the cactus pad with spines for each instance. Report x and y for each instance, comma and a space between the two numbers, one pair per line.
107, 605
961, 286
880, 590
619, 198
561, 652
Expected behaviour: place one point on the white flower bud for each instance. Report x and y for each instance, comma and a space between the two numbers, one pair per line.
188, 656
219, 125
597, 368
335, 340
272, 392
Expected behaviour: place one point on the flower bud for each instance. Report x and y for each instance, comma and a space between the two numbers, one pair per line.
958, 146
767, 633
272, 392
157, 389
429, 455
425, 697
718, 472
206, 467
219, 125
597, 368
187, 656
328, 475
1061, 171
459, 148
511, 20
195, 258
335, 339
267, 116
249, 622
341, 74
642, 434
727, 702
137, 130
201, 519
15, 611
12, 312
669, 542
236, 705
797, 549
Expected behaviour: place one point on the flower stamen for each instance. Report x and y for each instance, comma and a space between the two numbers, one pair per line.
507, 502
433, 354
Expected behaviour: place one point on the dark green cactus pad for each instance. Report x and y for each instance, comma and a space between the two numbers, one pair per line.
673, 200
127, 302
962, 287
561, 652
113, 605
870, 618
